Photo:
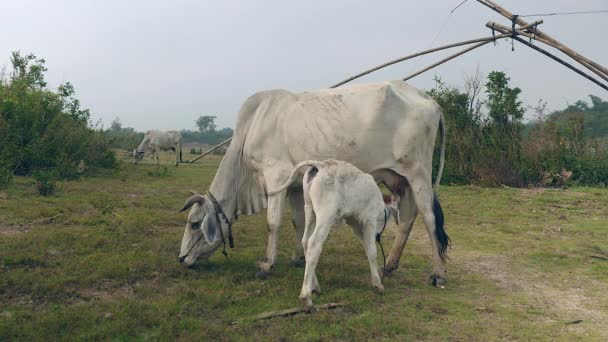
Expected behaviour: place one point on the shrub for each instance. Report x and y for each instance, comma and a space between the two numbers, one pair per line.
6, 177
46, 130
45, 181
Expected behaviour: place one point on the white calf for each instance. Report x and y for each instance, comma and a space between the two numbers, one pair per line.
334, 192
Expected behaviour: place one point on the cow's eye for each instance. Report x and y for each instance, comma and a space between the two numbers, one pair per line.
195, 225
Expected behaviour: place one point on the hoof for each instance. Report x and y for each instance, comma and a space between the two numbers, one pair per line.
297, 262
261, 274
307, 304
388, 271
379, 289
438, 281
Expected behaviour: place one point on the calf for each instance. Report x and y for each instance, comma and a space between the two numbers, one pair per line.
337, 192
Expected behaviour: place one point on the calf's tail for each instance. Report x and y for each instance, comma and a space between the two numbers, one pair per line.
294, 174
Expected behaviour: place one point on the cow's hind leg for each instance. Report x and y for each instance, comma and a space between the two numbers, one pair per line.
407, 215
296, 202
309, 228
432, 215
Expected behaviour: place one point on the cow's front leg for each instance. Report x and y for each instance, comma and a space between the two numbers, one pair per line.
157, 156
275, 209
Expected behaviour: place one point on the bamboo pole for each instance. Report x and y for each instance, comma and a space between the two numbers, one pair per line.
504, 35
211, 150
494, 25
447, 59
425, 52
557, 59
573, 54
418, 54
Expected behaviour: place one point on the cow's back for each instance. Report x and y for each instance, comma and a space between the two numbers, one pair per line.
372, 126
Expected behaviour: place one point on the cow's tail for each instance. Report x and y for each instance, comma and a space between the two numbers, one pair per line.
181, 141
294, 174
441, 153
440, 233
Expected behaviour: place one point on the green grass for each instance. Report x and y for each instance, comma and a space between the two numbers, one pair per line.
106, 268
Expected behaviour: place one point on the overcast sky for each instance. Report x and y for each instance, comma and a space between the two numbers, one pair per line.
161, 64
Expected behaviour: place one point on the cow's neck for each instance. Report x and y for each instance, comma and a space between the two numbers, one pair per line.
225, 184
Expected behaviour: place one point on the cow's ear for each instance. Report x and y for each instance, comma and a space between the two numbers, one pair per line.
210, 227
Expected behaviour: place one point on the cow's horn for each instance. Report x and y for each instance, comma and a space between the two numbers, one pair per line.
191, 200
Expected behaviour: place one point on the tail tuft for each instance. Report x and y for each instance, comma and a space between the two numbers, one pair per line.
442, 236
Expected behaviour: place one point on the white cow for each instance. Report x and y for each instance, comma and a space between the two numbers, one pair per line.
159, 140
386, 129
336, 191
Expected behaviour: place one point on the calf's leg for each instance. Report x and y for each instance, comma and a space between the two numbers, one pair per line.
313, 252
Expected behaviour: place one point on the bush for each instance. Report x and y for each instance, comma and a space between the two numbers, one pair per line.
6, 177
45, 181
46, 130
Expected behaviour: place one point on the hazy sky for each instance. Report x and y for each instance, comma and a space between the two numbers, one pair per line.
161, 64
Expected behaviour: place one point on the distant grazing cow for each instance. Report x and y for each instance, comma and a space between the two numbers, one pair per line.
336, 191
159, 140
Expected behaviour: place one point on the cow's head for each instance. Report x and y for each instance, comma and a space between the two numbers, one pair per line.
201, 235
138, 155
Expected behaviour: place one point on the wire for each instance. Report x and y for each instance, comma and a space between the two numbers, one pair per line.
460, 4
562, 13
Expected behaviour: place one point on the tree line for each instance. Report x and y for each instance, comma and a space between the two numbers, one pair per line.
46, 133
488, 142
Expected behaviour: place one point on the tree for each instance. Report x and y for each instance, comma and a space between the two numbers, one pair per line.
503, 103
116, 125
206, 123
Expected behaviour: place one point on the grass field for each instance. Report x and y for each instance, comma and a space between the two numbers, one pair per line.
106, 268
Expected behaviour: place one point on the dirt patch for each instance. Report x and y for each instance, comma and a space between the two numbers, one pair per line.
22, 300
20, 228
560, 303
12, 230
108, 291
532, 192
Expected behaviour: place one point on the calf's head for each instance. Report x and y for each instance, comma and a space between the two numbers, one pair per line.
392, 207
201, 235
